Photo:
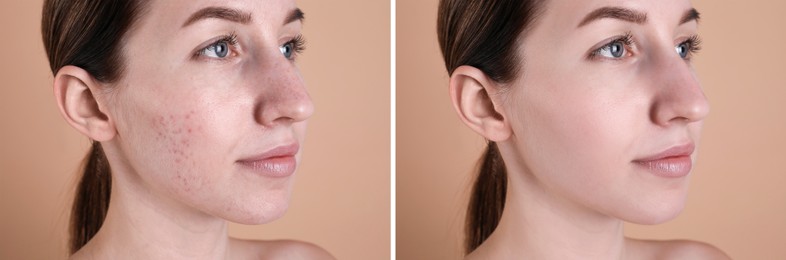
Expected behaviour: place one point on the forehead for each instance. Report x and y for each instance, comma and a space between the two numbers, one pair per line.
170, 15
567, 14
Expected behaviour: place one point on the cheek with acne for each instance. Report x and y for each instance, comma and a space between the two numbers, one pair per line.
176, 134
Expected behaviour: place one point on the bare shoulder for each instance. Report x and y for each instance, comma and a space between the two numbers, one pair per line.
689, 249
279, 249
676, 249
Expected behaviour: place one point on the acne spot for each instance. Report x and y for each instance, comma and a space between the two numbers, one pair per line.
185, 183
175, 133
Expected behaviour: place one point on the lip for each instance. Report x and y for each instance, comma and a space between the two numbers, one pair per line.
674, 162
277, 162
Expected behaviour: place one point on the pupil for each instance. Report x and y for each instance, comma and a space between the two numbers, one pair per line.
682, 50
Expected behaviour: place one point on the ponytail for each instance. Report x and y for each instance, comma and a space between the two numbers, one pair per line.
92, 198
487, 199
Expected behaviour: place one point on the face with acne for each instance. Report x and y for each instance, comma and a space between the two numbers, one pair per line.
211, 109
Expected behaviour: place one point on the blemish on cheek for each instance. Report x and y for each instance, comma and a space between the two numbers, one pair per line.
184, 181
158, 127
176, 133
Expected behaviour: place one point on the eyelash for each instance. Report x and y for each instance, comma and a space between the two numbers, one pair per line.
694, 45
298, 45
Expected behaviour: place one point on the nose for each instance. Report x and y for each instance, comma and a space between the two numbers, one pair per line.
284, 99
678, 98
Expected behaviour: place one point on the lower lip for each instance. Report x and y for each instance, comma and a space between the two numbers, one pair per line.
278, 167
671, 167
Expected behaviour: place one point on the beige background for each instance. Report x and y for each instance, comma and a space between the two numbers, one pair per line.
738, 192
341, 199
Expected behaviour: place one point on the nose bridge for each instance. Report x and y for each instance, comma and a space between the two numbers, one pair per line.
679, 97
283, 96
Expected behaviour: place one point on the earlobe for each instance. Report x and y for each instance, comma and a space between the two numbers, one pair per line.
74, 90
470, 92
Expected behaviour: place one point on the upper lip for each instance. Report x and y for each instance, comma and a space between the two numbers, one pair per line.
278, 151
674, 151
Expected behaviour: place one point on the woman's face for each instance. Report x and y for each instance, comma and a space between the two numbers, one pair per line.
608, 108
211, 110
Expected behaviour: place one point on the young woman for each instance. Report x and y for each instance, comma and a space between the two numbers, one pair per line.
196, 110
592, 111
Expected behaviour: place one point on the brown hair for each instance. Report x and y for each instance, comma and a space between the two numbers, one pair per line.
88, 34
485, 34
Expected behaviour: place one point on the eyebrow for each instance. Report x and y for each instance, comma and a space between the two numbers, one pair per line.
224, 13
615, 13
631, 15
295, 15
235, 15
690, 15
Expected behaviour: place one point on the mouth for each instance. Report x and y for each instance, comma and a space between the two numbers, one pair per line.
674, 162
278, 162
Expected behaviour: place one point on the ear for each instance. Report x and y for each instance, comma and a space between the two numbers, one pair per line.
470, 92
75, 91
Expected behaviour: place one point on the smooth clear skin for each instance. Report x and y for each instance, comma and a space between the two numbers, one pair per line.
189, 106
572, 124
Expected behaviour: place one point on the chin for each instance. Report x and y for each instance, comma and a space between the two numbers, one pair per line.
259, 211
656, 212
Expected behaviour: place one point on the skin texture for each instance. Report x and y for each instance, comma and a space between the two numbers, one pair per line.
178, 121
570, 127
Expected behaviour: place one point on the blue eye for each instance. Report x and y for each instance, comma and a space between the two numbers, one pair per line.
689, 47
221, 48
613, 50
217, 50
287, 49
683, 50
616, 49
293, 47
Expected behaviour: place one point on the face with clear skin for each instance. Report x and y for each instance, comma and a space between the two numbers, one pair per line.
594, 97
202, 94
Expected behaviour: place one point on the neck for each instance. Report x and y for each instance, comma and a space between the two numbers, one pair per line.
141, 223
538, 224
